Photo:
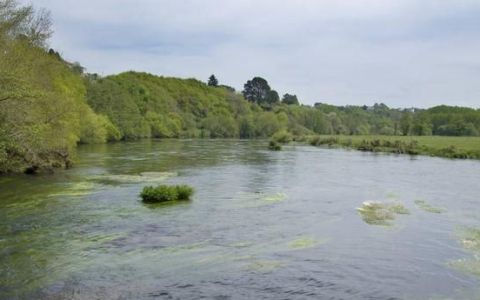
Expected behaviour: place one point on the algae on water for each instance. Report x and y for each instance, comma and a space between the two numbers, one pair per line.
76, 189
135, 178
470, 240
252, 200
422, 204
303, 243
275, 197
378, 213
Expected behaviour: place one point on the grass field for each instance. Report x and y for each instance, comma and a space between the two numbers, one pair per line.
451, 147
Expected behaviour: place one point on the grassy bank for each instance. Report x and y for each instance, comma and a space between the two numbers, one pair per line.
450, 147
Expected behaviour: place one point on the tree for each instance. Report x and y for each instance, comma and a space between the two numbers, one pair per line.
406, 122
213, 81
272, 98
257, 90
290, 99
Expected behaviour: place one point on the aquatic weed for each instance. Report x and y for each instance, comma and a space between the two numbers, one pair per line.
378, 213
165, 193
427, 207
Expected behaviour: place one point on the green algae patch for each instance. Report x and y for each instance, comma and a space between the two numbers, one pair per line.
422, 204
399, 209
152, 177
303, 243
76, 189
278, 197
383, 214
254, 200
264, 265
468, 266
470, 241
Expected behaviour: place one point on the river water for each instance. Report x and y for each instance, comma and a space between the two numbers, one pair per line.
261, 225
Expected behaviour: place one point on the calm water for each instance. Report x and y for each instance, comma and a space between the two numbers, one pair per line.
262, 225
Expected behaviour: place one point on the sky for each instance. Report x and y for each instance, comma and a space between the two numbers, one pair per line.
404, 53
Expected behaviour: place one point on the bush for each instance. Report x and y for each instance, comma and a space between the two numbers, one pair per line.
282, 137
165, 193
274, 146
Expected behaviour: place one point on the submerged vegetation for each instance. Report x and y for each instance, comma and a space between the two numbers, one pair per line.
427, 207
49, 105
378, 213
303, 243
470, 240
165, 193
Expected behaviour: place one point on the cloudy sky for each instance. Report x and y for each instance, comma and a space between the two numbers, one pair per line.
401, 52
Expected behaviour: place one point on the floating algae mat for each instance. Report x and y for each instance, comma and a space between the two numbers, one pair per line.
303, 243
378, 213
135, 178
278, 197
76, 189
250, 200
470, 240
428, 208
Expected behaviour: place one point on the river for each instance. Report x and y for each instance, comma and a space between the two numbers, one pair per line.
261, 225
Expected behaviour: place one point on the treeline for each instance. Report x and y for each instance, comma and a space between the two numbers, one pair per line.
48, 105
144, 105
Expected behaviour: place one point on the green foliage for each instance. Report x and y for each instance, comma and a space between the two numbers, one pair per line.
290, 99
48, 106
274, 146
450, 147
282, 137
212, 81
258, 91
165, 193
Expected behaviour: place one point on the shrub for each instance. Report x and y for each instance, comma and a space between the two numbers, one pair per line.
274, 146
184, 192
282, 137
165, 193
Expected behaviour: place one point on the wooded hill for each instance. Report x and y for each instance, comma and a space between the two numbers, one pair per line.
48, 105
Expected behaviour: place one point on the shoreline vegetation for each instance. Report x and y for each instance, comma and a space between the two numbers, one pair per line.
49, 105
445, 147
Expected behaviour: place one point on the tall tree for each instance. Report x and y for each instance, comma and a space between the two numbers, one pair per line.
256, 90
290, 99
213, 81
272, 97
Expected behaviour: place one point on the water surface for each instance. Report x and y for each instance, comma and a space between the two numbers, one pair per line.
261, 225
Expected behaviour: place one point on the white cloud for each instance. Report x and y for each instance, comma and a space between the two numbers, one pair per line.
401, 52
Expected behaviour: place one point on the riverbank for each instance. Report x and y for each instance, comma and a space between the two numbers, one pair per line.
438, 146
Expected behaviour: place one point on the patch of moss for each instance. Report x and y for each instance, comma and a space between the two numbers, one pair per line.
428, 208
